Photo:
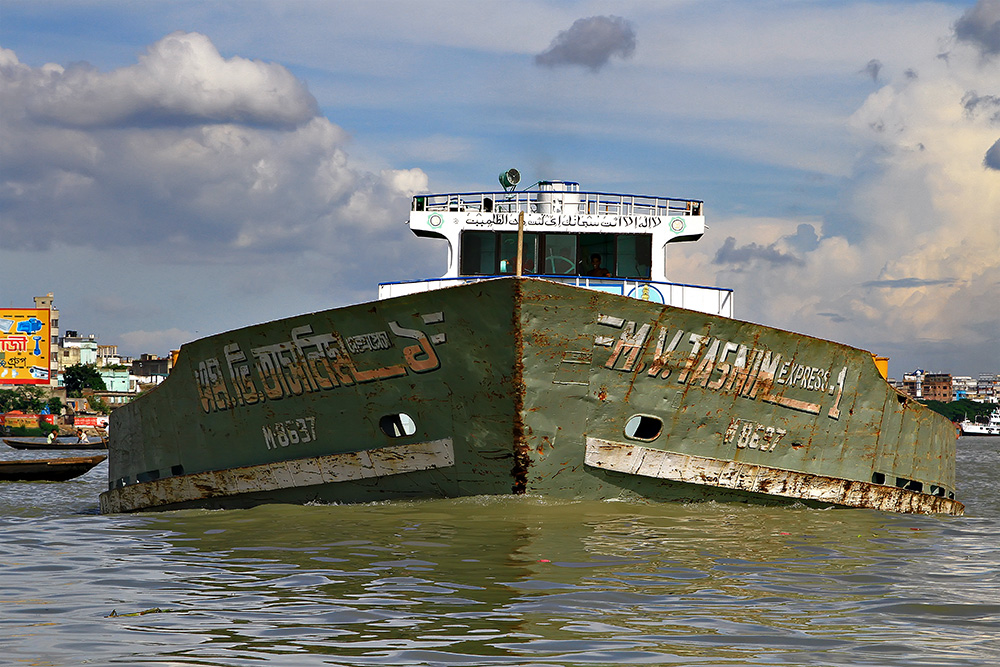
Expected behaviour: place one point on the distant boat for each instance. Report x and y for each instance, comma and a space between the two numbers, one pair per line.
50, 470
992, 427
42, 443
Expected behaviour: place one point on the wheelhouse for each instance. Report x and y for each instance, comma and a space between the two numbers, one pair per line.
599, 240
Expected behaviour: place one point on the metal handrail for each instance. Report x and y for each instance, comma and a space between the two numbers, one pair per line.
566, 202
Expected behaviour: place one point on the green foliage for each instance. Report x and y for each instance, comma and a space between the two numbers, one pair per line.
27, 398
55, 405
97, 404
78, 377
956, 411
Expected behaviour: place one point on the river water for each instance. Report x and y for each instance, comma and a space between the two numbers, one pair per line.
499, 581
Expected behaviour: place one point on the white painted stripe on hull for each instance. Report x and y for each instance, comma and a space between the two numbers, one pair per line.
657, 463
332, 468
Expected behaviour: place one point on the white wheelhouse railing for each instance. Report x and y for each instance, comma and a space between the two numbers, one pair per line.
558, 201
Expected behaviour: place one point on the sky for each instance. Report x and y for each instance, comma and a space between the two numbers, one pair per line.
170, 170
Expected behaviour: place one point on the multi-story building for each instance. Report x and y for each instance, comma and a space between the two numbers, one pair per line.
938, 387
29, 353
149, 369
913, 383
48, 301
963, 386
107, 355
988, 387
78, 349
928, 386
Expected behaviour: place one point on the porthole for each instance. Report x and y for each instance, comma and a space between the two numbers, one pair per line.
643, 427
398, 425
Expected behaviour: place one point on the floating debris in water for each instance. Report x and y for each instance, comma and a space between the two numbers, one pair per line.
155, 610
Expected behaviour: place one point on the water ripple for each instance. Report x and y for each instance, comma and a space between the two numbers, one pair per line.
499, 581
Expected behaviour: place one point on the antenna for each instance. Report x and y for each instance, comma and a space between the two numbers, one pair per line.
509, 179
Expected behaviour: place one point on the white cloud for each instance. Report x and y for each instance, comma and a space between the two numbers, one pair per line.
189, 181
184, 152
181, 80
919, 261
188, 157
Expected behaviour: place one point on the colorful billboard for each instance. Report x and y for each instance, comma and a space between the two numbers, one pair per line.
25, 338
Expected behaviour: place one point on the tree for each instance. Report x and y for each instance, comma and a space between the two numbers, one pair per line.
31, 399
6, 400
956, 411
78, 377
55, 405
97, 404
26, 399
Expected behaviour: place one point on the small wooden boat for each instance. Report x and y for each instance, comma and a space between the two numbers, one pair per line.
51, 470
42, 443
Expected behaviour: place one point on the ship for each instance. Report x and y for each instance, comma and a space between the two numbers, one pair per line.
553, 358
991, 427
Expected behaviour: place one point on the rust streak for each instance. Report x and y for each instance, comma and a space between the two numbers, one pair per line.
522, 458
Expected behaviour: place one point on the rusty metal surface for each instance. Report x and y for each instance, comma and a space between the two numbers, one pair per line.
659, 464
517, 374
313, 471
721, 389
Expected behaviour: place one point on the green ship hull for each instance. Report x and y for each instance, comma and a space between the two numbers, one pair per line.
525, 386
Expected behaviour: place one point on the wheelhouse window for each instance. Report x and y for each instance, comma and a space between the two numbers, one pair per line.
634, 256
560, 255
551, 254
601, 245
508, 253
479, 254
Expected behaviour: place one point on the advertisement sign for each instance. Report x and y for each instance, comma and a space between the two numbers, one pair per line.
95, 421
24, 345
17, 419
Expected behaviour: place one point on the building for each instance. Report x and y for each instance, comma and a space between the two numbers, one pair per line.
150, 369
48, 302
928, 386
913, 383
963, 386
988, 387
77, 349
113, 399
107, 355
29, 344
116, 379
938, 387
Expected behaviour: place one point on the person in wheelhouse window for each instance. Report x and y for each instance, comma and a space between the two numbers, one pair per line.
596, 270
